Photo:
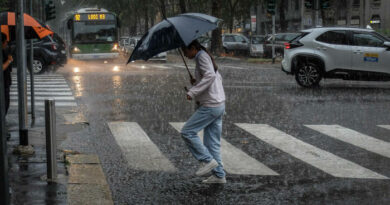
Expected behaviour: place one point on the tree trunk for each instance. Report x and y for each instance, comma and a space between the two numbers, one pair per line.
146, 16
183, 6
216, 39
163, 9
282, 15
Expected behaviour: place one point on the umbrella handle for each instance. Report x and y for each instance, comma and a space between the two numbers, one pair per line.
189, 73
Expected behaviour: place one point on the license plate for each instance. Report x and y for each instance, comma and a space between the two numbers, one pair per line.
63, 52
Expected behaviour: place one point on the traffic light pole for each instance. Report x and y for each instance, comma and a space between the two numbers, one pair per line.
317, 12
273, 38
4, 184
21, 72
31, 66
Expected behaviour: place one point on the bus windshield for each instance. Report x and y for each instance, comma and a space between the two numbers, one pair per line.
94, 32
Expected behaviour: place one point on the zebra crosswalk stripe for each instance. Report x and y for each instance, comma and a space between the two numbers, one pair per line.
45, 87
140, 152
321, 159
235, 161
355, 138
385, 126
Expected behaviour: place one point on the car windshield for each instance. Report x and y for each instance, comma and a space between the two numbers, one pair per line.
94, 32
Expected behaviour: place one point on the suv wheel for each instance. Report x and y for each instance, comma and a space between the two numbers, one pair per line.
38, 66
308, 75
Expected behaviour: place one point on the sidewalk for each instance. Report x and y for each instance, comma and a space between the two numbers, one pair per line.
80, 177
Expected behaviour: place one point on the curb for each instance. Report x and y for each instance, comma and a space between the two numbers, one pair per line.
86, 182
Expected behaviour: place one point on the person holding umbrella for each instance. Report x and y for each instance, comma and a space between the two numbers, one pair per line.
181, 32
7, 69
210, 96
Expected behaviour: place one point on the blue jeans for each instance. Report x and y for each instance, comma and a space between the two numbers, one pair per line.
209, 119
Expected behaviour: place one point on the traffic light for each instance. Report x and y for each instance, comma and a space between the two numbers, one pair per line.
309, 4
271, 7
50, 10
325, 4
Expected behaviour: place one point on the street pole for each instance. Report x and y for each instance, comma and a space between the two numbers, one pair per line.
31, 63
273, 38
4, 185
302, 14
317, 13
21, 72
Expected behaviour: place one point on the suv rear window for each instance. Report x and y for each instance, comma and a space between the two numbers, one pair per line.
299, 36
289, 37
334, 37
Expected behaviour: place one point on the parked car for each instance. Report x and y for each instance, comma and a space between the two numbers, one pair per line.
235, 43
133, 43
336, 52
280, 40
256, 47
62, 57
124, 41
46, 53
205, 41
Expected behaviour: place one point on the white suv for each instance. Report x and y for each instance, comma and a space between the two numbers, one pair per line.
346, 53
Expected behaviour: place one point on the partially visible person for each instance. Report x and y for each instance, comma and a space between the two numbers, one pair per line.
7, 69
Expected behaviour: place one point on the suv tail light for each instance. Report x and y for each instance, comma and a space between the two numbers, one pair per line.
292, 45
53, 46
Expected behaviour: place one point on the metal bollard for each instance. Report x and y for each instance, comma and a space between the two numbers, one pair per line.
51, 139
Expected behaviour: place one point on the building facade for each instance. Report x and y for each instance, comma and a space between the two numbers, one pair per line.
351, 13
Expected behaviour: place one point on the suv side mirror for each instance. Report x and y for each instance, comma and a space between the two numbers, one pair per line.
387, 44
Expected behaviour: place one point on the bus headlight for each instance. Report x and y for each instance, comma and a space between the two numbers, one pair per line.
115, 47
76, 50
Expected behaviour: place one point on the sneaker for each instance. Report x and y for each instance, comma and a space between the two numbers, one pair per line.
206, 168
214, 180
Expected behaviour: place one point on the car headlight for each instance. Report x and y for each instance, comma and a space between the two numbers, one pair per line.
76, 50
115, 47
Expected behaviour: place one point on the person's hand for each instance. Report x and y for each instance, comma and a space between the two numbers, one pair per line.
193, 81
189, 97
10, 59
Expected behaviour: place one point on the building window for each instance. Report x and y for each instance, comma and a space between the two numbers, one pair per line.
375, 3
356, 3
355, 21
296, 5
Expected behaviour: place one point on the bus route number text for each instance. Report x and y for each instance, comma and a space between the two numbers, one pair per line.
96, 16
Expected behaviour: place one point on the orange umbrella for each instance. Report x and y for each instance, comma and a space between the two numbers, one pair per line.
33, 29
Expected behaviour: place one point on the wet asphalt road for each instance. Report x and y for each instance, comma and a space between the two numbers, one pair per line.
152, 95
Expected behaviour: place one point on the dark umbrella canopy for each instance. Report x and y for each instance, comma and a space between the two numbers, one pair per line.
173, 33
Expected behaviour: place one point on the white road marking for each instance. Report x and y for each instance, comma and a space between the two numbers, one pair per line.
44, 86
352, 137
235, 161
47, 93
42, 103
46, 83
14, 89
41, 79
385, 126
66, 98
310, 154
140, 152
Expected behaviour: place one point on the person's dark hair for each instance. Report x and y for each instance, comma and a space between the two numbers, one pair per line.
3, 37
199, 47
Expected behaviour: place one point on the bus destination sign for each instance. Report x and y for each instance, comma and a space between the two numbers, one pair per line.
92, 17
